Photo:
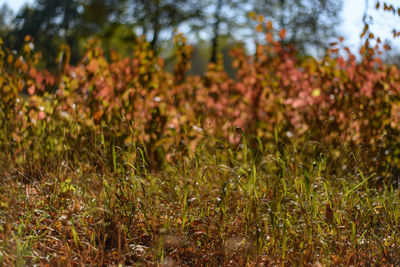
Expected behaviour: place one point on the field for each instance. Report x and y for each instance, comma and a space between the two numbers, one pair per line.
115, 162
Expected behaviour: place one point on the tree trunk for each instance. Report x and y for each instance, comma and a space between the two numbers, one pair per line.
154, 40
217, 15
156, 28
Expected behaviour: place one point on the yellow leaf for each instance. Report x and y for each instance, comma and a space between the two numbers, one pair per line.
316, 92
252, 15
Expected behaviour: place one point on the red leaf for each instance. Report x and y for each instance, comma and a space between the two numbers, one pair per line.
41, 115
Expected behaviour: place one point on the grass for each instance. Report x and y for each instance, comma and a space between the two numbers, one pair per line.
280, 203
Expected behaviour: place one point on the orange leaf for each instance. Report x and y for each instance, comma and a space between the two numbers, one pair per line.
269, 26
362, 49
31, 89
93, 66
97, 115
364, 31
10, 58
282, 34
270, 38
33, 72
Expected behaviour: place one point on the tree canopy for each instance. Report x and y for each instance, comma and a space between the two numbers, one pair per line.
118, 23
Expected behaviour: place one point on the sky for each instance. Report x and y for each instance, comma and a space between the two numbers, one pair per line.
382, 25
350, 29
15, 4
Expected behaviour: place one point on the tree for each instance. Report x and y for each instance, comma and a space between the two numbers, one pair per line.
99, 15
308, 23
50, 23
228, 15
6, 16
218, 19
107, 20
72, 22
155, 17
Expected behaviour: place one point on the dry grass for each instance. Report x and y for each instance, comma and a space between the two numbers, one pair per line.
221, 207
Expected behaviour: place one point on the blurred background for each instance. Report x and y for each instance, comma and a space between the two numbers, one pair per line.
212, 26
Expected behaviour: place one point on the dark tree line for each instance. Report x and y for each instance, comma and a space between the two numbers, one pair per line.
119, 22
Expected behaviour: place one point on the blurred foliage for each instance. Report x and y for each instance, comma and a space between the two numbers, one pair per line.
6, 16
309, 24
335, 101
291, 162
52, 23
391, 55
109, 159
154, 17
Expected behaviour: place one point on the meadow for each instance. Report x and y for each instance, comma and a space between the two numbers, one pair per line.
116, 162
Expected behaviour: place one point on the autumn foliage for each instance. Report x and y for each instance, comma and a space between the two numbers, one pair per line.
116, 161
339, 100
